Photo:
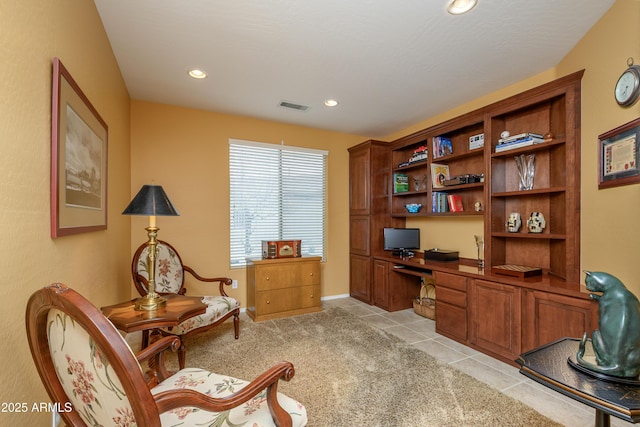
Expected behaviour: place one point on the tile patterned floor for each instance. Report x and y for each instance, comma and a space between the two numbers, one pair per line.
420, 332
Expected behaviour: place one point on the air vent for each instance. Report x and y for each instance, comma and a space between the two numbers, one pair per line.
293, 106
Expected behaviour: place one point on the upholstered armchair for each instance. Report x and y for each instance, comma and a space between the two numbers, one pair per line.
87, 367
170, 277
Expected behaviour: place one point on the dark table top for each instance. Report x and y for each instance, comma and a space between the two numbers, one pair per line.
549, 365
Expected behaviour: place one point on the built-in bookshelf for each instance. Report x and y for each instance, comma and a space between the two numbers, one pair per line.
489, 184
462, 157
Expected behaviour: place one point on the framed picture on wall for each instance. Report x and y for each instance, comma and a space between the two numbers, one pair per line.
618, 155
78, 159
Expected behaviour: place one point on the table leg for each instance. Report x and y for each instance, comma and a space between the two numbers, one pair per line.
602, 419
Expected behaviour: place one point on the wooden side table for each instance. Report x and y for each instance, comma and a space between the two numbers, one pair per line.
178, 309
549, 366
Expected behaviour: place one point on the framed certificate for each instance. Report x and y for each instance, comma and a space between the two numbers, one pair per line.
618, 155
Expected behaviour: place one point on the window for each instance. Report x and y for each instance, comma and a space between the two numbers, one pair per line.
277, 192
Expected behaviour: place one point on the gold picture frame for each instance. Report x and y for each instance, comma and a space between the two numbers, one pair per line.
78, 159
618, 156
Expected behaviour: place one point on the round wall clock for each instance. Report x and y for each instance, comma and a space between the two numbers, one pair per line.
628, 85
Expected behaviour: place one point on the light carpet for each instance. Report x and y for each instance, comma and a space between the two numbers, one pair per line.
351, 374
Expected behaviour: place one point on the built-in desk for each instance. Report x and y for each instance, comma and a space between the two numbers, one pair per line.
502, 316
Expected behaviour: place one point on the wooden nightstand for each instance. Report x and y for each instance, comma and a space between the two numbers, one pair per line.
282, 287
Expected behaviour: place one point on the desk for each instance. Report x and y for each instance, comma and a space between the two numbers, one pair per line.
548, 366
178, 309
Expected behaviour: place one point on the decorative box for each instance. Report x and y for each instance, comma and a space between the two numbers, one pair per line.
281, 248
437, 254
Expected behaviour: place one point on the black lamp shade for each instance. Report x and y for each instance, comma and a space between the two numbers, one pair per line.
151, 200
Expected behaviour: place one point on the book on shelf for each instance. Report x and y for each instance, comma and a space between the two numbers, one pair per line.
400, 182
520, 136
455, 203
439, 202
518, 143
439, 174
441, 146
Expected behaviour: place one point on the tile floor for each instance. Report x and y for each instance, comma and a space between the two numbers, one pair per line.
420, 332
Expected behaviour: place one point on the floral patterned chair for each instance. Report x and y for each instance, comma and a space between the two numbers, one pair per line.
87, 367
170, 276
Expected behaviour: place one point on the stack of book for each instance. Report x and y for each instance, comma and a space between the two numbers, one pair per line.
518, 141
442, 147
439, 202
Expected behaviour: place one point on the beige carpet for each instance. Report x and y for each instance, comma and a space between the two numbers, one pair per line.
350, 374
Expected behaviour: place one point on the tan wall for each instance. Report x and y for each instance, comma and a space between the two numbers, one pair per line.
187, 151
32, 32
609, 237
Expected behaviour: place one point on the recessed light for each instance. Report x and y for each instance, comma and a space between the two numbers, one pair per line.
197, 74
458, 7
331, 103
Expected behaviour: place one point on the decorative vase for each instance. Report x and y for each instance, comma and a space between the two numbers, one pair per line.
526, 170
480, 247
514, 222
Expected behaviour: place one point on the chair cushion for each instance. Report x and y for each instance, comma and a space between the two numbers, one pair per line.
86, 375
253, 413
217, 307
169, 272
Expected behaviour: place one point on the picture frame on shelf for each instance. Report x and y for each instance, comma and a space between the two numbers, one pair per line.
78, 159
618, 156
439, 174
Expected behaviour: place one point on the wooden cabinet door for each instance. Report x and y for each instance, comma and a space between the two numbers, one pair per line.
548, 317
359, 235
381, 284
360, 181
360, 278
495, 313
451, 321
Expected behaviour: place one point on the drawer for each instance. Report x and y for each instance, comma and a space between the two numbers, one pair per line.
282, 300
309, 273
275, 277
451, 281
451, 296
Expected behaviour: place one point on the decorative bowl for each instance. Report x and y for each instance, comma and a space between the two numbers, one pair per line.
413, 207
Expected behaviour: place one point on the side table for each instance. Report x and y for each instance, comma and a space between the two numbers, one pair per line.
549, 366
178, 309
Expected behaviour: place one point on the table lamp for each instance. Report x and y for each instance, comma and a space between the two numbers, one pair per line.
152, 201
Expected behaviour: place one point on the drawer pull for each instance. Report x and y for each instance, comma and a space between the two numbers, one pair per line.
311, 296
268, 302
310, 274
267, 278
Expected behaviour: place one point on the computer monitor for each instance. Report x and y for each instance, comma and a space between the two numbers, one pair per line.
401, 240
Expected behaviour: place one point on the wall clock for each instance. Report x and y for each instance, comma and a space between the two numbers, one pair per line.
628, 85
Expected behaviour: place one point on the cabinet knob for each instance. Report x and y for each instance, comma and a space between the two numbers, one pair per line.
311, 296
310, 274
268, 302
267, 278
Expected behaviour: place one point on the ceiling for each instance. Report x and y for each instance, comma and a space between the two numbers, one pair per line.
390, 64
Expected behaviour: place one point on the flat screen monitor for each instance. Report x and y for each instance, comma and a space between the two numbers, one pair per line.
401, 239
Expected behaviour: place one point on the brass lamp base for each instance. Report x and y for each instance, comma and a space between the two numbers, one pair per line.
150, 302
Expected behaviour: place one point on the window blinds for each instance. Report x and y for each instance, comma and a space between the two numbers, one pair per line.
277, 192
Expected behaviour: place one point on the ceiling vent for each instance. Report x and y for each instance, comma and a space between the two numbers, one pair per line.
293, 106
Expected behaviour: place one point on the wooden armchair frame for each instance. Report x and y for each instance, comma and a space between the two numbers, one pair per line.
142, 286
145, 406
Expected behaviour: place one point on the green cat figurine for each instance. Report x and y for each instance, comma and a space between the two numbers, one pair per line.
616, 343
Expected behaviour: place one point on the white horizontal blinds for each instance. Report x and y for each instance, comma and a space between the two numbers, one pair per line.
277, 192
